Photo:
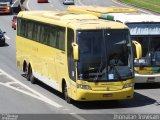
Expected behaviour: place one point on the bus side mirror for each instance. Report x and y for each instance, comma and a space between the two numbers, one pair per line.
75, 52
138, 49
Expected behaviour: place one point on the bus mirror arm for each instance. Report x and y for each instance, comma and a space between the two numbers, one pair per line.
75, 51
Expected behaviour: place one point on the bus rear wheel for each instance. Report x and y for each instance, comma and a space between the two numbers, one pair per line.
30, 76
65, 93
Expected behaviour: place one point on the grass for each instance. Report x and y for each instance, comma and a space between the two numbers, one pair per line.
153, 5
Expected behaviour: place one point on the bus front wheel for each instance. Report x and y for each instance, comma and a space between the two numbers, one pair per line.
65, 93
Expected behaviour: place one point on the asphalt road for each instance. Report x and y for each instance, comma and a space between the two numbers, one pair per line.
19, 96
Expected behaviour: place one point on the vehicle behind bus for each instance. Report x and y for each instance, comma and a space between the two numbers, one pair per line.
147, 67
145, 30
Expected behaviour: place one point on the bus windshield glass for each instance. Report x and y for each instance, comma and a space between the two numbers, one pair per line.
104, 55
148, 35
150, 50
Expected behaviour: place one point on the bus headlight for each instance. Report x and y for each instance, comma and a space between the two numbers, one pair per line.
127, 85
86, 87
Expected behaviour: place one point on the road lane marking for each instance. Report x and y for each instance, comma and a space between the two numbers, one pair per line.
77, 116
29, 94
40, 96
7, 37
9, 83
22, 91
131, 7
0, 73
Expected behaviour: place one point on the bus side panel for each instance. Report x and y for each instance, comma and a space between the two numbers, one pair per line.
44, 64
22, 51
61, 65
32, 52
52, 71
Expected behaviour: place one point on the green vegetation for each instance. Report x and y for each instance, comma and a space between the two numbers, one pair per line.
153, 5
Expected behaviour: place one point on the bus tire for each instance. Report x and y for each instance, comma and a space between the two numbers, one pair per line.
25, 69
30, 76
65, 93
28, 73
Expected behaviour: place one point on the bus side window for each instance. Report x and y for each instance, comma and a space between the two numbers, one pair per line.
52, 37
23, 28
35, 32
30, 30
44, 33
61, 38
18, 26
38, 32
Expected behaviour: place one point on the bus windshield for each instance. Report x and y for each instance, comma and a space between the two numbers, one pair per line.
150, 51
148, 35
105, 55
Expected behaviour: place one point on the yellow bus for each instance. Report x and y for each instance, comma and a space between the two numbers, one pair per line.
85, 58
145, 34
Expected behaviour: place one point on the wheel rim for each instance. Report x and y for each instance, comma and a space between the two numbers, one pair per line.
66, 97
65, 92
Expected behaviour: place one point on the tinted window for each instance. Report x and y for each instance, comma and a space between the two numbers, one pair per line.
61, 39
50, 35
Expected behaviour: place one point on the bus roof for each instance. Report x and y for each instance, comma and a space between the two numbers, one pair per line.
134, 18
124, 15
101, 11
98, 10
73, 20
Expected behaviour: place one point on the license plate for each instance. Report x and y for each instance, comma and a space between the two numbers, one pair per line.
107, 95
151, 79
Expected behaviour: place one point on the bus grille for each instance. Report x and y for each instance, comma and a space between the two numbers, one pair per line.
107, 88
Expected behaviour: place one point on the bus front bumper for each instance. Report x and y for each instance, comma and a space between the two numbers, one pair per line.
89, 95
147, 78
